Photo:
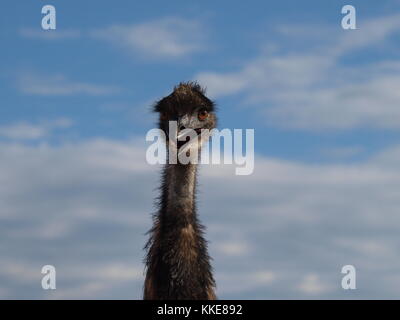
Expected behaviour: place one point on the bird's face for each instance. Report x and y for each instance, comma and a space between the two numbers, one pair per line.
188, 127
186, 116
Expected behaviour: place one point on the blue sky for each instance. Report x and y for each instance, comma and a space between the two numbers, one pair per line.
323, 101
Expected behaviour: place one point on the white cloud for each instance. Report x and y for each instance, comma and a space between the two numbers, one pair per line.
22, 131
28, 131
313, 89
59, 85
370, 32
312, 284
95, 280
232, 248
165, 38
342, 152
44, 208
239, 282
49, 34
170, 37
283, 232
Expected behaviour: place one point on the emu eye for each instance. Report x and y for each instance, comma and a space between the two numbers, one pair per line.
203, 115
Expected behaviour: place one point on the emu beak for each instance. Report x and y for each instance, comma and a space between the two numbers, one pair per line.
181, 134
184, 122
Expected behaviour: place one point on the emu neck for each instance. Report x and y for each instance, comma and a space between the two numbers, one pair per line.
181, 184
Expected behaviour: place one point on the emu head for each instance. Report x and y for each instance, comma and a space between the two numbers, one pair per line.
191, 111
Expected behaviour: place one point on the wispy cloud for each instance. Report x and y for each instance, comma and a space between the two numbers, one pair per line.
165, 38
49, 34
341, 152
312, 284
284, 232
314, 89
233, 248
29, 131
60, 85
22, 131
370, 32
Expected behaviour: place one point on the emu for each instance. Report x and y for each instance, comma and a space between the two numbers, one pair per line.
177, 261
